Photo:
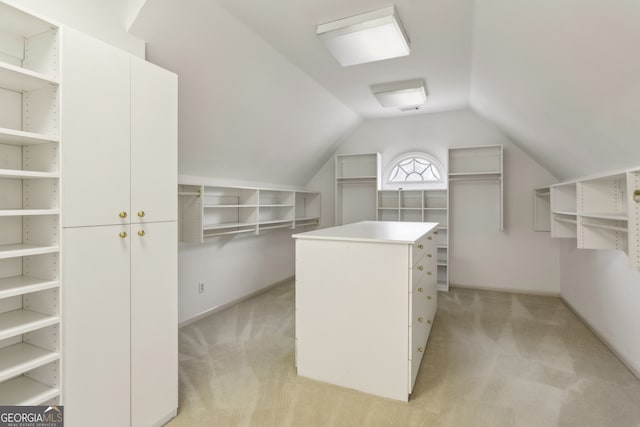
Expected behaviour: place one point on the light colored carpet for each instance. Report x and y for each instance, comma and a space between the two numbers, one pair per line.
493, 359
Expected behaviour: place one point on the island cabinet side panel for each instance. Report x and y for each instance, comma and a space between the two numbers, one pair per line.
352, 314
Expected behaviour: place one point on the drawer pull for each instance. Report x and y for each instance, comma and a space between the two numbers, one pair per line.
420, 290
430, 256
430, 237
421, 246
420, 268
122, 214
435, 232
122, 234
429, 297
636, 196
420, 319
141, 233
141, 214
420, 349
430, 322
429, 273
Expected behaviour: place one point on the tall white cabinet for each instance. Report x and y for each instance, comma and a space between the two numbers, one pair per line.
120, 234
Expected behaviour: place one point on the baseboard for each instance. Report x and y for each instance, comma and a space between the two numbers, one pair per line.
510, 291
595, 332
164, 420
222, 307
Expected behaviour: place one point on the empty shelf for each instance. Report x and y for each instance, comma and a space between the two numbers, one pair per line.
20, 79
28, 212
605, 215
606, 227
224, 225
14, 251
18, 137
19, 358
20, 174
19, 322
19, 285
567, 220
25, 391
568, 213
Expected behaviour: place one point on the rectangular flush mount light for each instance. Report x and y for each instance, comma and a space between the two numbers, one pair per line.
367, 37
408, 93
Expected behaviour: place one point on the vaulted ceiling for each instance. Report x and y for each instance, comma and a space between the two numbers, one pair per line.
559, 77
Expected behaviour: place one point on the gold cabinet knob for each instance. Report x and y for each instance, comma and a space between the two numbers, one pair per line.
430, 237
435, 232
636, 196
420, 268
420, 349
429, 273
429, 297
122, 214
430, 256
122, 234
420, 319
141, 214
430, 322
420, 290
421, 246
141, 233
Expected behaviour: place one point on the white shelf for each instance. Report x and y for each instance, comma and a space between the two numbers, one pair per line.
277, 206
19, 358
463, 174
19, 322
13, 251
613, 216
274, 221
567, 213
605, 227
435, 209
308, 218
12, 286
443, 247
28, 212
20, 174
567, 220
21, 80
229, 206
357, 180
18, 137
25, 391
228, 233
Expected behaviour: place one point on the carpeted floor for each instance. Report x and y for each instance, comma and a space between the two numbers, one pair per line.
493, 359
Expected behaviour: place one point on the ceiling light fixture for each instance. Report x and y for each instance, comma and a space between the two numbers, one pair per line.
404, 94
367, 37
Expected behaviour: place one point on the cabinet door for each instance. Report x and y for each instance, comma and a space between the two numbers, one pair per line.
154, 143
95, 122
96, 310
154, 322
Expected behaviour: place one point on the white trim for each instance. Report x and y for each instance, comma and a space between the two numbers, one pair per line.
431, 185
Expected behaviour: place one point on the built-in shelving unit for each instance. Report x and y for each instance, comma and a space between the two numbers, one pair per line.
212, 211
29, 209
427, 205
357, 186
541, 209
601, 212
478, 165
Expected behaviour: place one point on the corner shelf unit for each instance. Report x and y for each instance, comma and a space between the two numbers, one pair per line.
421, 206
357, 185
29, 210
601, 212
212, 211
472, 165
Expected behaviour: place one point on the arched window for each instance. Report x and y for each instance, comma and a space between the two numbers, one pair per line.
415, 168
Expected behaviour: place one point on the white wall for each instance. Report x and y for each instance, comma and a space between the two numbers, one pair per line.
602, 288
518, 259
105, 20
247, 116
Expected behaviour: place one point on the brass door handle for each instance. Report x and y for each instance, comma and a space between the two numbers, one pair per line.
430, 237
122, 214
420, 290
141, 233
429, 297
122, 234
421, 246
430, 256
429, 273
636, 196
420, 268
141, 214
420, 319
420, 349
430, 322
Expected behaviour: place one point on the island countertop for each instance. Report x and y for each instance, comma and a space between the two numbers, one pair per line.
373, 231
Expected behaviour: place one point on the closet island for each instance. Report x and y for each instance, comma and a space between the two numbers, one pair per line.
366, 299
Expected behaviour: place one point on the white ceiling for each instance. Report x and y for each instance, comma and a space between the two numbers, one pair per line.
440, 37
560, 77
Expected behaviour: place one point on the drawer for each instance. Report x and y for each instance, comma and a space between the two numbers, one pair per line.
422, 247
423, 273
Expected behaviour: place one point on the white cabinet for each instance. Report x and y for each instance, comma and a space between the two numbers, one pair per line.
30, 350
96, 123
97, 309
366, 299
154, 132
120, 209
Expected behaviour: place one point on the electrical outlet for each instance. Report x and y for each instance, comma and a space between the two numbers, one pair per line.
201, 287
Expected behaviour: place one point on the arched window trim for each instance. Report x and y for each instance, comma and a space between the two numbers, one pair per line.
415, 184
